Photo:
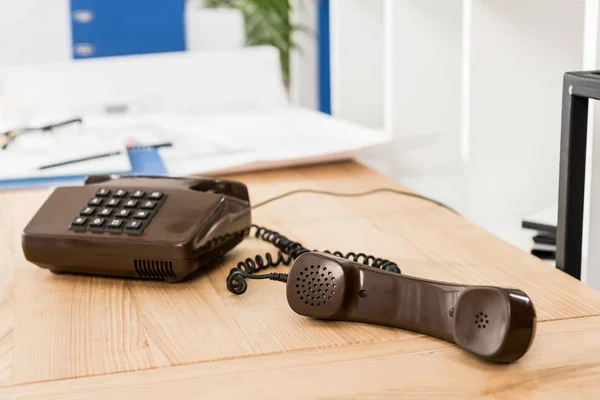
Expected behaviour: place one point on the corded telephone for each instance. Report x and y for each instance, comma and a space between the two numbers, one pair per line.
144, 227
167, 228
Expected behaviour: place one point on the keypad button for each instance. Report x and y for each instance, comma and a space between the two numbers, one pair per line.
79, 221
138, 194
149, 204
131, 203
96, 201
133, 225
96, 224
102, 192
155, 195
105, 212
141, 214
123, 213
78, 224
120, 193
115, 224
88, 211
113, 203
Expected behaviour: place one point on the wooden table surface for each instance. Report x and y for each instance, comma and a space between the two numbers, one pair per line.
78, 337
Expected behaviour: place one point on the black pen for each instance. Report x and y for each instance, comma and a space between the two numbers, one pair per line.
104, 155
78, 160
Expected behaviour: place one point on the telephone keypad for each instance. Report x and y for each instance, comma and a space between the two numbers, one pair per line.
118, 211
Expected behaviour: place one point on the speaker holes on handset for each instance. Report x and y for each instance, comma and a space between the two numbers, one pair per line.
301, 298
481, 320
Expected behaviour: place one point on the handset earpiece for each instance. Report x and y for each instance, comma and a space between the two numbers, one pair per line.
496, 324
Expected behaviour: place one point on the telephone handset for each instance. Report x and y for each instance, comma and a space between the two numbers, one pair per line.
139, 226
496, 324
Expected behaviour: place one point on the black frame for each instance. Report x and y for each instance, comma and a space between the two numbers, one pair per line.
578, 89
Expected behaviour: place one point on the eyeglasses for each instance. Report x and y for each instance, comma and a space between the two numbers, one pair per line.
8, 137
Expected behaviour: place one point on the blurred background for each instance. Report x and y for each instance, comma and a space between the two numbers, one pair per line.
456, 99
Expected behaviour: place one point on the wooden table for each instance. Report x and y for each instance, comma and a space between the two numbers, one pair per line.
77, 337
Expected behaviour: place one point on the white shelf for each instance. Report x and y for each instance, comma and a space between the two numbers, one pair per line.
357, 46
474, 88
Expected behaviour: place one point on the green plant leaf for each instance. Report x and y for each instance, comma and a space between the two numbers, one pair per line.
267, 23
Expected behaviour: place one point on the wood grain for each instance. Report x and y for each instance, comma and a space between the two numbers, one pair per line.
562, 363
64, 327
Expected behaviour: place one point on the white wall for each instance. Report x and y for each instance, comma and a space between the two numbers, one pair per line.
357, 61
34, 31
304, 62
519, 53
424, 83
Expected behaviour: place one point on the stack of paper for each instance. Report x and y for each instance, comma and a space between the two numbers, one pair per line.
24, 156
221, 111
255, 140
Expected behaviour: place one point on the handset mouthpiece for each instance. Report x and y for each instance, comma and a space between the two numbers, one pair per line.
496, 324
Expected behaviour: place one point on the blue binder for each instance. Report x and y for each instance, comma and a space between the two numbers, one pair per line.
104, 28
143, 162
